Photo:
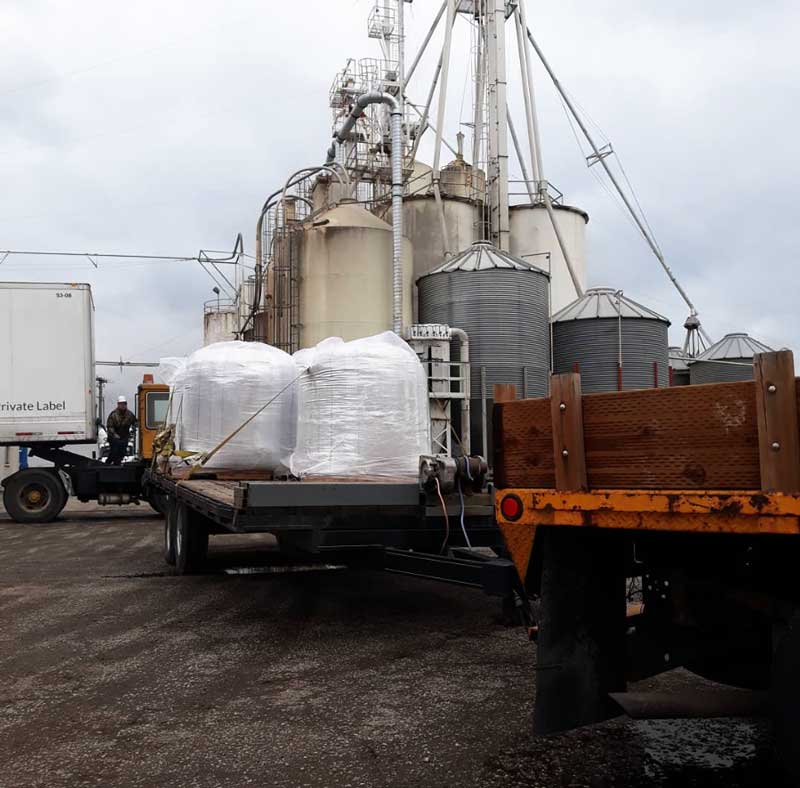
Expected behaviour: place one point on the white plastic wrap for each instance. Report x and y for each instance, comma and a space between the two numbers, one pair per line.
170, 367
363, 409
225, 384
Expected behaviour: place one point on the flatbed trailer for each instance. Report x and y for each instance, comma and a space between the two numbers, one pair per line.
692, 492
390, 524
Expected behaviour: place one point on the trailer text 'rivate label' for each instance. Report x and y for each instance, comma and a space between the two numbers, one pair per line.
32, 407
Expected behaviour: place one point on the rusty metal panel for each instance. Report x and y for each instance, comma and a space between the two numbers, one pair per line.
677, 512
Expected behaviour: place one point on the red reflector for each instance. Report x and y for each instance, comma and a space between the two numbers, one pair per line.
24, 434
511, 507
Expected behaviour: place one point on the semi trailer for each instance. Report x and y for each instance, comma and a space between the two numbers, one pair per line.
48, 404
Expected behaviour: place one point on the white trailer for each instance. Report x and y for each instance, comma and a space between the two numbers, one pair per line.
47, 390
47, 403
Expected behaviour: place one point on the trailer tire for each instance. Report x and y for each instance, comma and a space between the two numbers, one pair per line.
157, 502
785, 698
191, 540
169, 532
34, 495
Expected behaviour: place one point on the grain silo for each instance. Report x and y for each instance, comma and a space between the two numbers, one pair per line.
502, 302
679, 367
338, 279
220, 322
614, 342
727, 361
462, 189
533, 239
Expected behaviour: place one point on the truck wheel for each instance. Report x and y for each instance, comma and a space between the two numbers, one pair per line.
157, 503
35, 495
169, 532
786, 699
191, 541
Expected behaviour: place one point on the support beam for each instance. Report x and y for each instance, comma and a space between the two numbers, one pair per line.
497, 88
778, 433
569, 453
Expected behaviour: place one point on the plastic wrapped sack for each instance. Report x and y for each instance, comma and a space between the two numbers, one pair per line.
170, 367
363, 409
221, 387
170, 370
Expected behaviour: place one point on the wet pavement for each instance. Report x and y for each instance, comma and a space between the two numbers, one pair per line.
113, 672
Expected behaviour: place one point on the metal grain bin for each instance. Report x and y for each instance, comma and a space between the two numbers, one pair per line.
678, 363
613, 341
728, 361
502, 302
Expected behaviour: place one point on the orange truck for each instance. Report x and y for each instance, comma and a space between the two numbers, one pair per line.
658, 529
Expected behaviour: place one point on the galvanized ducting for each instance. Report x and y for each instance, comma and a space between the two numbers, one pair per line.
613, 341
728, 361
502, 303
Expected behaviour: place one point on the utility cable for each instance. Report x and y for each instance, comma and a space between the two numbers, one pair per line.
446, 518
463, 527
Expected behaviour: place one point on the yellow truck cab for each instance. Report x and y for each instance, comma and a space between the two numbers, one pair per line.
152, 403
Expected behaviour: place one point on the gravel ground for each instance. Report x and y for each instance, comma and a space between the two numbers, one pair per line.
115, 673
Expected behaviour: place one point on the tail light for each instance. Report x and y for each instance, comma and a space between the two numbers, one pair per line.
511, 507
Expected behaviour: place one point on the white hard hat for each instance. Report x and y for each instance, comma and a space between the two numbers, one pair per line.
122, 399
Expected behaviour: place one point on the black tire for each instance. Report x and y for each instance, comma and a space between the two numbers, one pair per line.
157, 503
786, 699
35, 495
169, 534
191, 541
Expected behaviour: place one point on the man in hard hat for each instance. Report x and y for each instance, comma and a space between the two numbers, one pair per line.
120, 423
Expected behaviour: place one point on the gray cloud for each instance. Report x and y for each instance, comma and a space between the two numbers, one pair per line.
158, 127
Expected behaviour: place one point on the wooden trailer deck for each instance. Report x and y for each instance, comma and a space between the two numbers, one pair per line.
371, 510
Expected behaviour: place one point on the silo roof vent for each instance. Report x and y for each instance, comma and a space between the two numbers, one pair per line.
606, 302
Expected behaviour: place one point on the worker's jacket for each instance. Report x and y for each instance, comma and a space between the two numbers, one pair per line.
119, 424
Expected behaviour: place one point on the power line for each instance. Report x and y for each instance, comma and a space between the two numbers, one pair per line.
164, 257
205, 257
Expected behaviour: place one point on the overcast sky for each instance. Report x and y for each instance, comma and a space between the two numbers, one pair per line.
159, 127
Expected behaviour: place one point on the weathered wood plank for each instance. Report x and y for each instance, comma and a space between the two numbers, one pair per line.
778, 433
504, 392
566, 415
687, 437
219, 491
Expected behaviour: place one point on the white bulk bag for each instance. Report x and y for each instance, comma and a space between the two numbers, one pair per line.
221, 387
170, 370
363, 409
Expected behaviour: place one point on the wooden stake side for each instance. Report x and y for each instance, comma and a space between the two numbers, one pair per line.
504, 392
778, 432
566, 409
